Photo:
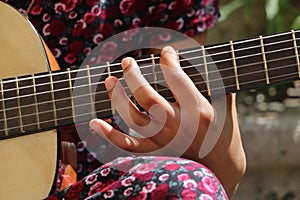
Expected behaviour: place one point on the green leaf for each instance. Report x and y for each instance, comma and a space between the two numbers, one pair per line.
296, 23
229, 8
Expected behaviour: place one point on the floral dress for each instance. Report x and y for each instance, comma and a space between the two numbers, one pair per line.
72, 29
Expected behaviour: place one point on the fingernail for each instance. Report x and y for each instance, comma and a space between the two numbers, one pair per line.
126, 62
170, 50
109, 83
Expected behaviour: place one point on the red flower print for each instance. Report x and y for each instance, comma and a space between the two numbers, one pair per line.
76, 47
208, 185
36, 10
74, 191
144, 176
70, 58
91, 3
164, 177
91, 179
172, 167
149, 187
105, 29
110, 13
56, 52
128, 191
89, 32
72, 15
57, 27
70, 4
89, 17
127, 7
127, 181
160, 192
108, 194
98, 38
78, 28
59, 8
175, 25
183, 177
205, 197
97, 187
46, 17
190, 167
188, 194
105, 171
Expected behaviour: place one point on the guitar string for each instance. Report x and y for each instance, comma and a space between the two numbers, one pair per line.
203, 82
145, 75
200, 50
150, 66
84, 114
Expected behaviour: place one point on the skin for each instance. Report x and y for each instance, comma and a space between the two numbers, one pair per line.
226, 159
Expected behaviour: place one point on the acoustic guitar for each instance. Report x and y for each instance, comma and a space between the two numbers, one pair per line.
36, 97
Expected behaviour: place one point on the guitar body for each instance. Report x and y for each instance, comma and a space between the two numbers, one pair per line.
28, 163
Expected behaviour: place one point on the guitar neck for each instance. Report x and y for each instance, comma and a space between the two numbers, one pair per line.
47, 100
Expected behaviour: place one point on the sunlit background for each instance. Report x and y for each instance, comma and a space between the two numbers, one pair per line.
269, 117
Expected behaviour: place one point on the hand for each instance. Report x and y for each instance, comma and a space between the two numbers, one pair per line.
178, 128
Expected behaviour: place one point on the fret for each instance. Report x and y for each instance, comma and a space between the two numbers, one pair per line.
44, 100
11, 107
296, 51
3, 110
19, 106
153, 65
53, 99
206, 71
264, 60
234, 66
36, 104
108, 75
71, 95
280, 55
27, 101
108, 69
62, 96
177, 54
91, 92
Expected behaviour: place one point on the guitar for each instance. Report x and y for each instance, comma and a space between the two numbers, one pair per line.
36, 98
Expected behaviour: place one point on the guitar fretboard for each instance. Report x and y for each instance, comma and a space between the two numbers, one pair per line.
47, 100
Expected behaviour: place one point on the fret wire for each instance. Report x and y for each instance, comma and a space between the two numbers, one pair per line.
296, 51
46, 75
264, 60
36, 104
108, 69
19, 106
71, 94
109, 75
3, 109
146, 74
53, 98
110, 109
163, 80
234, 66
90, 91
206, 71
154, 71
211, 47
46, 92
